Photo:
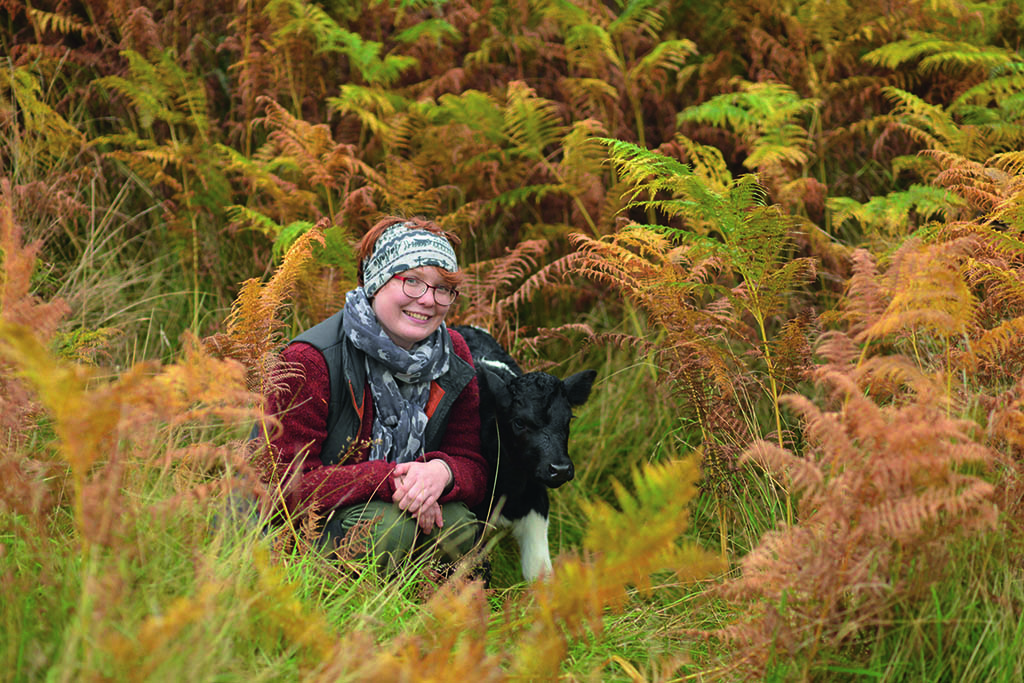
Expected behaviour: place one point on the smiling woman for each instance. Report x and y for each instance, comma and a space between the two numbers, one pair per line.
381, 424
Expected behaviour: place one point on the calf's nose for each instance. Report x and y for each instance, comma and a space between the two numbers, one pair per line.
560, 472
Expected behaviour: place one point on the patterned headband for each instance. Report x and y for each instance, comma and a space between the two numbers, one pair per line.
399, 249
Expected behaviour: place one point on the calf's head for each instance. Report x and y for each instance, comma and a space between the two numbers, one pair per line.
534, 411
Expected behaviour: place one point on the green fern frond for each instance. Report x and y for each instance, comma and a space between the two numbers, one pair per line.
522, 195
58, 139
909, 106
583, 154
784, 145
251, 219
590, 96
589, 50
766, 116
532, 124
477, 111
160, 90
308, 22
287, 236
994, 90
939, 55
648, 173
371, 105
666, 58
365, 56
643, 17
707, 163
893, 213
734, 225
973, 130
434, 29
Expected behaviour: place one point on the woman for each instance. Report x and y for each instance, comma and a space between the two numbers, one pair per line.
380, 420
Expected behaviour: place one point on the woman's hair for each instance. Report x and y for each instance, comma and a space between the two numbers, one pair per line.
369, 241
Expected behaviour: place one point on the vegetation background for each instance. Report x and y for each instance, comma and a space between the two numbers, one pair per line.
788, 235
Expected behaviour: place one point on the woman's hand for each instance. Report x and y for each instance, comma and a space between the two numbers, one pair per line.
418, 485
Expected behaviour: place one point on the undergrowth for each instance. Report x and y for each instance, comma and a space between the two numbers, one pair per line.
793, 256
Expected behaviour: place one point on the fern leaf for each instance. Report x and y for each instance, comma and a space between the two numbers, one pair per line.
933, 54
666, 58
766, 116
895, 214
929, 293
252, 335
532, 124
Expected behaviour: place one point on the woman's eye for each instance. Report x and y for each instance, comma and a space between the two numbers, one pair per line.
413, 281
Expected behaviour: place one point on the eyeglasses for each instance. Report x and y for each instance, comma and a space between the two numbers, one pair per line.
414, 287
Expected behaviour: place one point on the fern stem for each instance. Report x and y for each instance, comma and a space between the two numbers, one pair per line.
723, 528
247, 57
575, 198
774, 388
195, 275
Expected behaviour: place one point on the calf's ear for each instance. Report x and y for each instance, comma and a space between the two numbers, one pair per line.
495, 386
578, 386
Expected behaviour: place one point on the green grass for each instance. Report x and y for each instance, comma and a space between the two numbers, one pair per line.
72, 613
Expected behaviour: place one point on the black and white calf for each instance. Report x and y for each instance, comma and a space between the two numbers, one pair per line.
524, 425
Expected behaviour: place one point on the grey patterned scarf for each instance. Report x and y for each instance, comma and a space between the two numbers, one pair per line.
399, 380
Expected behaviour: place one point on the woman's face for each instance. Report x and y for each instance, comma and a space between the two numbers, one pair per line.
406, 320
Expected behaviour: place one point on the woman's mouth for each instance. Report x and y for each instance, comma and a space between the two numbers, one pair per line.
418, 317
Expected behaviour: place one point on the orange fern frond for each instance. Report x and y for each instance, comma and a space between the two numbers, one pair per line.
882, 489
253, 328
928, 293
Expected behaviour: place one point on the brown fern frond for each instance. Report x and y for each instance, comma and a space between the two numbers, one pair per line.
996, 352
17, 304
792, 350
669, 283
496, 287
318, 158
20, 308
801, 473
998, 279
513, 265
532, 343
140, 31
882, 489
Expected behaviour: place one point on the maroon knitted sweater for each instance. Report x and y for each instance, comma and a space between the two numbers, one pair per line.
301, 405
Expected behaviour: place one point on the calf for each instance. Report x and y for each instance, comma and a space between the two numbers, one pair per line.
524, 434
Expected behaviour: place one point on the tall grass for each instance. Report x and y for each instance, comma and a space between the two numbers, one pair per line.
119, 556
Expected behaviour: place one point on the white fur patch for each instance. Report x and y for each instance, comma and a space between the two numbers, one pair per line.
531, 532
498, 367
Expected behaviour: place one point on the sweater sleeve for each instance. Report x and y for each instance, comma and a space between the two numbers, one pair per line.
460, 446
301, 405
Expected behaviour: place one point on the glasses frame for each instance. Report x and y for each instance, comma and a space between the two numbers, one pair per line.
405, 285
